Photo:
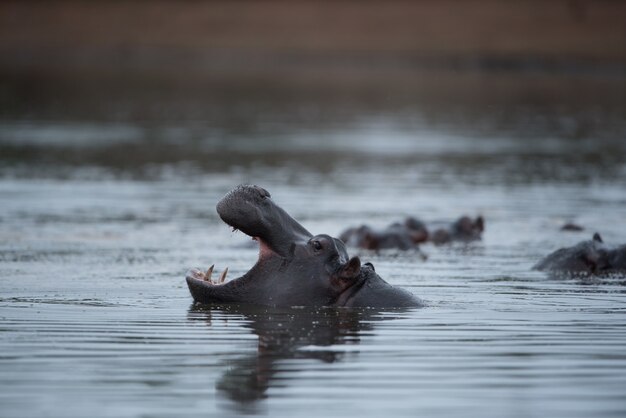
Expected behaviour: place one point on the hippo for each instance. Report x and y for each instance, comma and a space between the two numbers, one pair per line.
412, 232
395, 236
463, 229
417, 229
587, 258
572, 227
295, 268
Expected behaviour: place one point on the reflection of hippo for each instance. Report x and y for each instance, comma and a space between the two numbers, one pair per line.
407, 235
248, 378
590, 257
294, 267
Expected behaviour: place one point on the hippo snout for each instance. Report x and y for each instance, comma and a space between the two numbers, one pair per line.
241, 199
262, 191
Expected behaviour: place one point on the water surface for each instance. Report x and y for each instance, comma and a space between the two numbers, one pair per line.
100, 219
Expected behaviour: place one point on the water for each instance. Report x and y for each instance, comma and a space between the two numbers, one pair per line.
99, 220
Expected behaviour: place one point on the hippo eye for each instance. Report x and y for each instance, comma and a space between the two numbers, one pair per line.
370, 265
316, 245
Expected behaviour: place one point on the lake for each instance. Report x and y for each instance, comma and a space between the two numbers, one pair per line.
100, 217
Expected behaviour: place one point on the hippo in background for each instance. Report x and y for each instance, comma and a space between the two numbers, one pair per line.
396, 236
368, 238
409, 234
572, 227
463, 229
587, 258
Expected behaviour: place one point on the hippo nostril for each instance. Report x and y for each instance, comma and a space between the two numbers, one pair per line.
262, 191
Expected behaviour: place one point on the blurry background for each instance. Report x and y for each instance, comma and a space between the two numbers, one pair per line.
194, 79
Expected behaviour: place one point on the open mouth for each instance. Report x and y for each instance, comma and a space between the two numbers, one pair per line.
250, 209
208, 275
211, 278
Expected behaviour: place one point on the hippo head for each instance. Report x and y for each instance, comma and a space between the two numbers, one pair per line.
589, 257
417, 229
466, 229
395, 236
251, 210
294, 267
328, 268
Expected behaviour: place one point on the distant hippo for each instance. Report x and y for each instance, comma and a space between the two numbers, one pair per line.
417, 230
463, 229
294, 267
409, 234
572, 227
395, 236
586, 258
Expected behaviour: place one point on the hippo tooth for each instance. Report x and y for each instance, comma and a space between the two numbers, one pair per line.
223, 275
209, 272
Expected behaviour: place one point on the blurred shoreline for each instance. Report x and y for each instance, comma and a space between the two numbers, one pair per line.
139, 79
553, 36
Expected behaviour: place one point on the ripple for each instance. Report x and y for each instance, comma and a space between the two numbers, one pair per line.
96, 319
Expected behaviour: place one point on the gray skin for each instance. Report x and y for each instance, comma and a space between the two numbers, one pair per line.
586, 258
294, 267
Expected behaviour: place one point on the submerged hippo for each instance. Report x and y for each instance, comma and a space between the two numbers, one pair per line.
591, 257
463, 229
294, 267
396, 236
572, 227
409, 234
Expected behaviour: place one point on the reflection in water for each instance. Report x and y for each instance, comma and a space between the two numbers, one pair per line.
282, 335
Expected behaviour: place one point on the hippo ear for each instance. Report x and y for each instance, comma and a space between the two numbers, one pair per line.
597, 237
351, 269
480, 223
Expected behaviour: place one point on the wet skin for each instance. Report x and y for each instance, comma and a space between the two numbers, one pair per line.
294, 267
591, 257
